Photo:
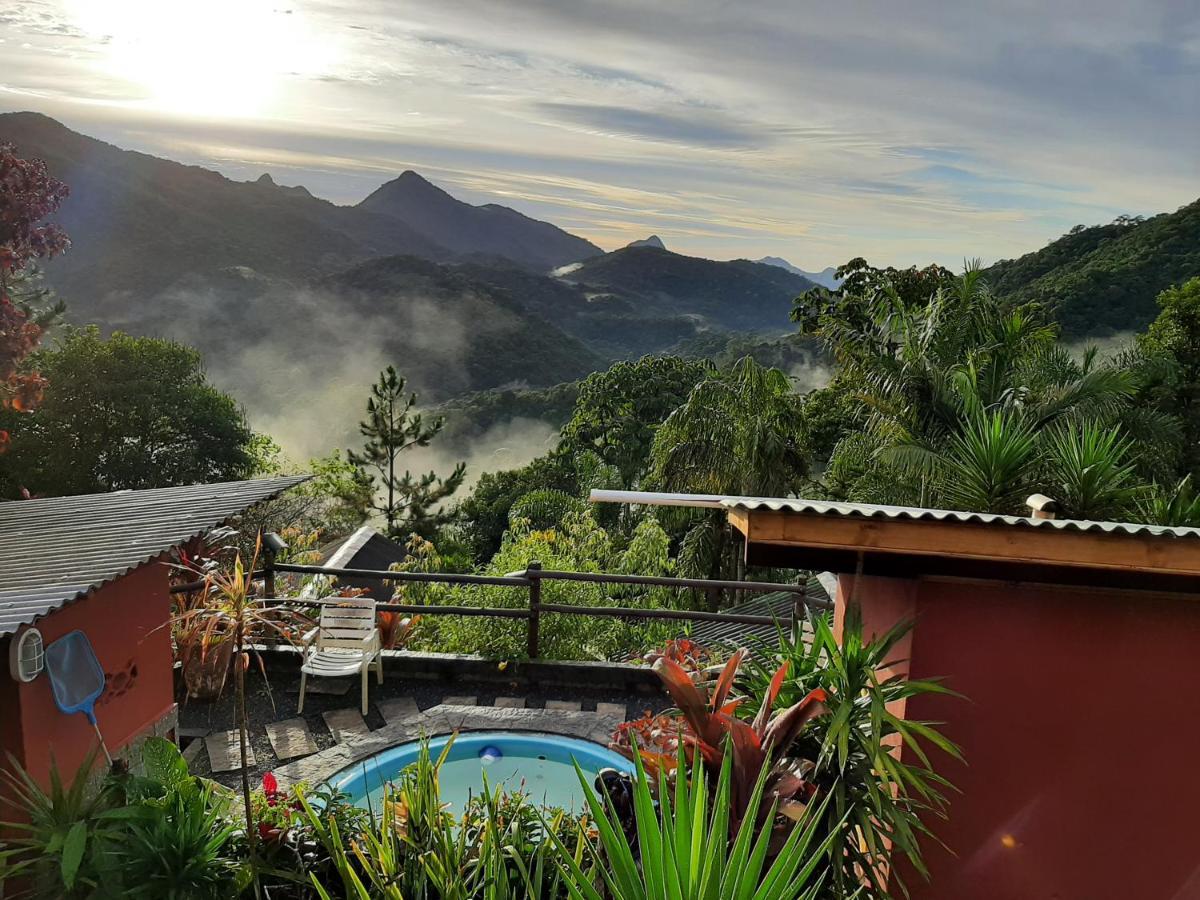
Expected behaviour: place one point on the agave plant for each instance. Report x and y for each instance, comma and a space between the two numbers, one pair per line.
683, 848
758, 749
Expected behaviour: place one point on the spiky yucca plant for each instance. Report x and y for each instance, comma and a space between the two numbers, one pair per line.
683, 847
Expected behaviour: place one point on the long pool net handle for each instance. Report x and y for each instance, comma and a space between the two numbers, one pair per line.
100, 737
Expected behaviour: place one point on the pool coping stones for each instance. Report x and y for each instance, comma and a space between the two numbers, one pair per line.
445, 719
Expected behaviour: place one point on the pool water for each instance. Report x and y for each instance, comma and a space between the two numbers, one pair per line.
538, 765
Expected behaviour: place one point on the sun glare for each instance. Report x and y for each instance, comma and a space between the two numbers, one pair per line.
220, 57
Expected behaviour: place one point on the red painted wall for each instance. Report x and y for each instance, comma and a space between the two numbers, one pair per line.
124, 621
1079, 731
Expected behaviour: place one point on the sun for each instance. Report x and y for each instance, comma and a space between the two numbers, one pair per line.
217, 58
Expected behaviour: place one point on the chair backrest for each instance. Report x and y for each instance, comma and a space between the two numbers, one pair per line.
347, 622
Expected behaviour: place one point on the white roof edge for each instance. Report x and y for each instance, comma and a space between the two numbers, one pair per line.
881, 511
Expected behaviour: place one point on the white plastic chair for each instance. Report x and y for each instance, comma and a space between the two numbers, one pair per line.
344, 642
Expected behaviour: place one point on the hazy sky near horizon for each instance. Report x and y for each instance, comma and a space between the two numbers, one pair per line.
905, 132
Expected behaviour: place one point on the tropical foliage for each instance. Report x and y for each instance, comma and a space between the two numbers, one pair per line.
682, 846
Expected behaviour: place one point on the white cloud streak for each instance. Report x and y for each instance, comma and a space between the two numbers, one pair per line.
814, 131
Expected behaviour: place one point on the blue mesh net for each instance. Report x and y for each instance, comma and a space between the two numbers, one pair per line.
75, 673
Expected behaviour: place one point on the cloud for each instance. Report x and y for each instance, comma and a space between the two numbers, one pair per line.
904, 132
698, 130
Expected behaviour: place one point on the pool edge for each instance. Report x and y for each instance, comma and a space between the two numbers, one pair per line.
441, 720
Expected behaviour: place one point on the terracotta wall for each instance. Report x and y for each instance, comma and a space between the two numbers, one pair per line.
123, 621
1080, 733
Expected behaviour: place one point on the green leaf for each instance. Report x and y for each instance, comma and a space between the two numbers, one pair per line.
73, 849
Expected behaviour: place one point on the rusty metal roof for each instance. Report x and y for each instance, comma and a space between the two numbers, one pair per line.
56, 550
877, 511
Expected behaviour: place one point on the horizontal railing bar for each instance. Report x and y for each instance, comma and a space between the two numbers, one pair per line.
663, 581
424, 577
679, 614
500, 612
562, 608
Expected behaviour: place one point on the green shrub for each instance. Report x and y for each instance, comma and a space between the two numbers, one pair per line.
579, 544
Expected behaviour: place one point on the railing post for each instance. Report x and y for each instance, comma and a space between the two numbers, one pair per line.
535, 605
268, 573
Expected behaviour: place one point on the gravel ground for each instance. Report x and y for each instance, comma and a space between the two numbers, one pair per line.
276, 698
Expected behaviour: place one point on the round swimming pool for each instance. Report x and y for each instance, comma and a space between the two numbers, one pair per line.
538, 765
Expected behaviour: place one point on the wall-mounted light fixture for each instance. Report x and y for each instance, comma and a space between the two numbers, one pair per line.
27, 655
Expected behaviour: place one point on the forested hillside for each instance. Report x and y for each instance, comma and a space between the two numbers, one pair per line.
1104, 279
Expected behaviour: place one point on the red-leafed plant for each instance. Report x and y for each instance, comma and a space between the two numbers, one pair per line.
707, 725
27, 196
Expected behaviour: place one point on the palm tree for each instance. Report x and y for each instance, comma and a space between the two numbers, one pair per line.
738, 432
973, 403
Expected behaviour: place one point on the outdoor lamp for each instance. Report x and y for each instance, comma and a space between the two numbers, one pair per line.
274, 543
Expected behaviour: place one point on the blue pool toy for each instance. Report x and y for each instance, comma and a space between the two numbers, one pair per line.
490, 754
76, 678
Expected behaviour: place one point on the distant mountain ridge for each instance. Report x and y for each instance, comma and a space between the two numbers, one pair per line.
1105, 278
653, 241
139, 223
738, 295
825, 278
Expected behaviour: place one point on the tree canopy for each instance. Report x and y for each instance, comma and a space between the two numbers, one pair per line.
124, 413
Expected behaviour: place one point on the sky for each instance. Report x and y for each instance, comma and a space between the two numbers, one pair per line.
912, 132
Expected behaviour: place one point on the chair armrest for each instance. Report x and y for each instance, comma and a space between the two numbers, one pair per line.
309, 637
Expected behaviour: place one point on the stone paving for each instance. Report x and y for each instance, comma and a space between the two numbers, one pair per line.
331, 730
344, 724
224, 751
291, 738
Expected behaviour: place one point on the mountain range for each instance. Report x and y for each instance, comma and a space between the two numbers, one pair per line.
285, 292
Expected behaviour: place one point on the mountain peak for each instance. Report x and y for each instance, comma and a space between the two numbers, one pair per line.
405, 189
489, 230
826, 277
653, 241
265, 179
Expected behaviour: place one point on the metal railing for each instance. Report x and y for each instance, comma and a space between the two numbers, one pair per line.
531, 580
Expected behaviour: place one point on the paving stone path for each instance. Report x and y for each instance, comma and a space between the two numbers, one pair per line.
397, 708
224, 752
345, 723
291, 738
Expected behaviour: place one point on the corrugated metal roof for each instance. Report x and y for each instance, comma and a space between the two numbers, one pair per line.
876, 511
56, 550
780, 605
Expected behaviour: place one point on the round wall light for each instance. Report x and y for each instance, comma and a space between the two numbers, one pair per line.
27, 655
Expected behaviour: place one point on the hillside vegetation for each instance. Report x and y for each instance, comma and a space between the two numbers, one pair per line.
1104, 279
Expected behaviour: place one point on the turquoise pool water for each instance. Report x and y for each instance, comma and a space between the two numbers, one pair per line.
539, 765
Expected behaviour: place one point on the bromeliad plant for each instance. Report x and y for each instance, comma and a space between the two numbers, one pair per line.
871, 764
759, 750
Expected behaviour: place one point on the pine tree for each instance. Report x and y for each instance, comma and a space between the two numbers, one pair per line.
408, 503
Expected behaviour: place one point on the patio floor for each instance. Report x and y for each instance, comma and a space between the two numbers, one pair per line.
332, 732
